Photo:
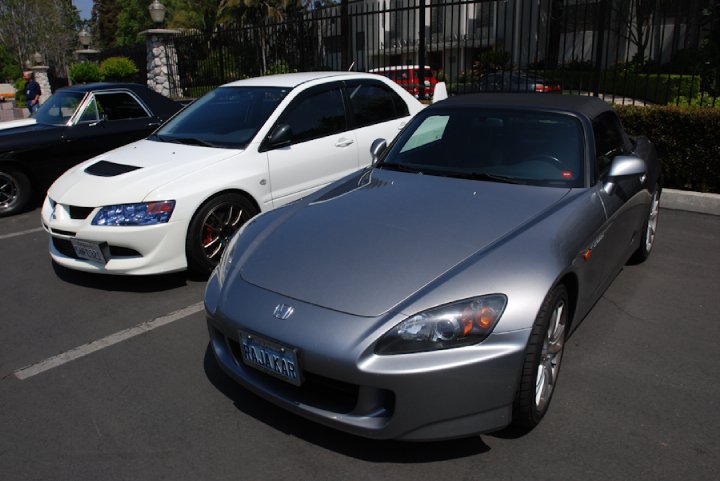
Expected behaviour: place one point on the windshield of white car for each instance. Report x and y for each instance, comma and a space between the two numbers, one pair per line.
227, 117
512, 146
58, 109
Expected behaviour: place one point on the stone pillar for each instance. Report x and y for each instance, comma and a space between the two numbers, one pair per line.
162, 75
41, 77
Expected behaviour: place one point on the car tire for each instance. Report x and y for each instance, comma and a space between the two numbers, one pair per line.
543, 355
211, 228
647, 239
14, 191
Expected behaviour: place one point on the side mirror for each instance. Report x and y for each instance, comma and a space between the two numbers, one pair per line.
376, 149
280, 136
440, 92
623, 166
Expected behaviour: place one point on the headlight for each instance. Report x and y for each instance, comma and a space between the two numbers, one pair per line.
452, 325
226, 259
146, 213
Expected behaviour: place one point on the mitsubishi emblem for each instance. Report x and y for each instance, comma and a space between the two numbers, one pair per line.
283, 311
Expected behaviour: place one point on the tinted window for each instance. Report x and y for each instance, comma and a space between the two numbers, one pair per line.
609, 140
226, 117
58, 109
119, 106
540, 148
315, 115
373, 102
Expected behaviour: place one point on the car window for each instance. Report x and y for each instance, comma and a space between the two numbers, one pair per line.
90, 114
430, 130
540, 148
315, 114
609, 140
119, 106
372, 102
58, 109
227, 117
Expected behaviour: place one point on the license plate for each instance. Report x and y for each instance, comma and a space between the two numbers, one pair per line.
91, 251
271, 357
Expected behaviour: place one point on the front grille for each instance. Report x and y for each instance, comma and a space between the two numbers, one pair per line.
317, 391
64, 247
77, 212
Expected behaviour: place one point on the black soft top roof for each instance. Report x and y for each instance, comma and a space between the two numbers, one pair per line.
160, 105
589, 107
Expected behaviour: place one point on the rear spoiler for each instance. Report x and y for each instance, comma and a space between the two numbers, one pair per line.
440, 92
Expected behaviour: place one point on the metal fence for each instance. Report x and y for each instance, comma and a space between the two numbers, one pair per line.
633, 51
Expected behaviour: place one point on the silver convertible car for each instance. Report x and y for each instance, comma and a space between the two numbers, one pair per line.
430, 296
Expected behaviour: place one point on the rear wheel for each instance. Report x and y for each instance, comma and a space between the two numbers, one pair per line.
543, 355
649, 229
212, 227
14, 191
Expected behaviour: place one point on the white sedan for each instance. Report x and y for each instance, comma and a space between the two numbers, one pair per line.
173, 200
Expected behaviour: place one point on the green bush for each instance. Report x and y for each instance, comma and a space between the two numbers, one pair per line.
19, 85
118, 69
686, 140
85, 72
657, 88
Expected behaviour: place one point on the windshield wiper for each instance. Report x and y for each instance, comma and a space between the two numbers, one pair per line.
485, 176
157, 137
398, 167
189, 141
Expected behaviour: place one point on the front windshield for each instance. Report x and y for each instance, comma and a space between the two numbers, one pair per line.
58, 109
227, 117
515, 146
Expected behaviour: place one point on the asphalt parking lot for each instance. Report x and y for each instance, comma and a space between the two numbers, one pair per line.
110, 378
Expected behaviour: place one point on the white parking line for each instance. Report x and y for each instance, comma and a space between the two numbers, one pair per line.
23, 232
91, 347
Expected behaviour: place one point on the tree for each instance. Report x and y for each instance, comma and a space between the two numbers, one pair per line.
45, 26
105, 15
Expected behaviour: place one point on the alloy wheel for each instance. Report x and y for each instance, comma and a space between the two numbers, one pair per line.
8, 190
551, 355
218, 227
652, 221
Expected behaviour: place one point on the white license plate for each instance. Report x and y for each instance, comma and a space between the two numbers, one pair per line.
88, 250
271, 357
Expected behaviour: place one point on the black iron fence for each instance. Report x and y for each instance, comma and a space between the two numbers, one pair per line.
633, 51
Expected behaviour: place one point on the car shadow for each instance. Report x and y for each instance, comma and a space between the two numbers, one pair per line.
366, 449
108, 282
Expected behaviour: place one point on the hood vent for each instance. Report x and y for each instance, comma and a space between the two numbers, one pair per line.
109, 169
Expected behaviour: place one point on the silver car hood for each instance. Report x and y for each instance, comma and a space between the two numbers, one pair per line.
369, 243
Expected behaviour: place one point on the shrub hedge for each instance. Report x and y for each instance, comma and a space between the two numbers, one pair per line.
686, 140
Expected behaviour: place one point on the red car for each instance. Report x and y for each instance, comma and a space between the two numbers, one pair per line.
408, 77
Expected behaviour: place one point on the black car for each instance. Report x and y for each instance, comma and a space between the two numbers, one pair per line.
74, 124
516, 82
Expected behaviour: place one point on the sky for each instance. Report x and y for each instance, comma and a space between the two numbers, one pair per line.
85, 7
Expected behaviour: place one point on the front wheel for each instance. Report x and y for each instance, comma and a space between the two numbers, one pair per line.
649, 229
14, 191
212, 227
543, 355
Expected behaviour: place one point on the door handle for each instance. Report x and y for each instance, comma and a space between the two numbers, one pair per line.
402, 125
154, 124
344, 142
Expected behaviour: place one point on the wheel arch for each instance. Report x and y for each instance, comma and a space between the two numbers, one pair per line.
227, 191
572, 285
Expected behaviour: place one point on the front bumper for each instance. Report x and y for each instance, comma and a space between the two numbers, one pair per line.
133, 250
422, 396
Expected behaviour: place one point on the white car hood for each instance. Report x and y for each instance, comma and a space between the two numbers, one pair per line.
17, 123
158, 163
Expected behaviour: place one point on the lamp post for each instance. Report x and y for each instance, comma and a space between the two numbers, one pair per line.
157, 12
162, 75
84, 37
